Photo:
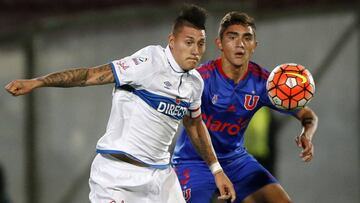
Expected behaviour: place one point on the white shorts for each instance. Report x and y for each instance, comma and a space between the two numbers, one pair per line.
114, 181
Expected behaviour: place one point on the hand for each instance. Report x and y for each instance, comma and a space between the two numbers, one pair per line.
308, 149
225, 187
21, 87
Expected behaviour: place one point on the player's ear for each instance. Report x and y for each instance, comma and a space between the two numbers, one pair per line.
171, 40
256, 44
218, 43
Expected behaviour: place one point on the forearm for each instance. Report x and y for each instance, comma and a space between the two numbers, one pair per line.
77, 77
68, 78
201, 141
309, 121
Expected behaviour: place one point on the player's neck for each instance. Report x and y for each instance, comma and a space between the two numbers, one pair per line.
235, 73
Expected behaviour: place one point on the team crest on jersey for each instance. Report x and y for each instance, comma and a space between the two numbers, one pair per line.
140, 59
250, 102
214, 99
177, 100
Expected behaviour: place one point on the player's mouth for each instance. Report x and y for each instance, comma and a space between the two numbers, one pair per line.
240, 53
193, 59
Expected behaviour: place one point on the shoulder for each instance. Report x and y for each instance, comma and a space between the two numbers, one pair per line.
152, 55
195, 75
257, 71
197, 80
258, 77
150, 51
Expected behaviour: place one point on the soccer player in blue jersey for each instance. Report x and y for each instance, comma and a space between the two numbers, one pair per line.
155, 88
234, 89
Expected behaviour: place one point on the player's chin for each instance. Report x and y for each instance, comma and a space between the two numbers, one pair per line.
191, 65
238, 61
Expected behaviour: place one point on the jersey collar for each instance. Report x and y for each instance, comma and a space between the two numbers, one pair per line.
221, 71
173, 64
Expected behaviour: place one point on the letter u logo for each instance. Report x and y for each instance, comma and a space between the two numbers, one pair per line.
251, 102
187, 194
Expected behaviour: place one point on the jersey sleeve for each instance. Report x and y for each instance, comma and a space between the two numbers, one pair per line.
131, 69
198, 88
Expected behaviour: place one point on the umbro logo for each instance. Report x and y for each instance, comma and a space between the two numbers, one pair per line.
167, 84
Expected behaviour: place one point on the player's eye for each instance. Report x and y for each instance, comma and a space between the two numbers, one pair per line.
201, 44
248, 38
188, 42
232, 36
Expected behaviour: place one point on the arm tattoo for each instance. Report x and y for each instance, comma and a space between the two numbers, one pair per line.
68, 78
307, 121
104, 76
101, 78
80, 77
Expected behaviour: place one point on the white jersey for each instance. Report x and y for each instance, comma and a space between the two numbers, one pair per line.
151, 96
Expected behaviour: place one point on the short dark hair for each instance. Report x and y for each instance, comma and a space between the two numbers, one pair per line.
235, 18
192, 16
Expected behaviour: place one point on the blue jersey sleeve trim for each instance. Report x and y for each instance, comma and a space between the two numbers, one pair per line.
294, 112
117, 81
157, 166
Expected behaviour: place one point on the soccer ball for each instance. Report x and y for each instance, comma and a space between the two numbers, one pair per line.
290, 86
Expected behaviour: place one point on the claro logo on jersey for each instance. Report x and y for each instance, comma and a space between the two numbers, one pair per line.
224, 127
173, 110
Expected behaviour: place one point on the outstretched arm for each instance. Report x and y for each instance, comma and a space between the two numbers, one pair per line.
68, 78
200, 139
309, 121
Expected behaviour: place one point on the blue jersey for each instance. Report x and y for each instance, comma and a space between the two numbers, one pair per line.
226, 110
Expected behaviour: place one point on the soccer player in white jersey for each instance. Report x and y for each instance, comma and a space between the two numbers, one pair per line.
155, 88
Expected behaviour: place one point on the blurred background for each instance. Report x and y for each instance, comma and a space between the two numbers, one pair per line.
48, 138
